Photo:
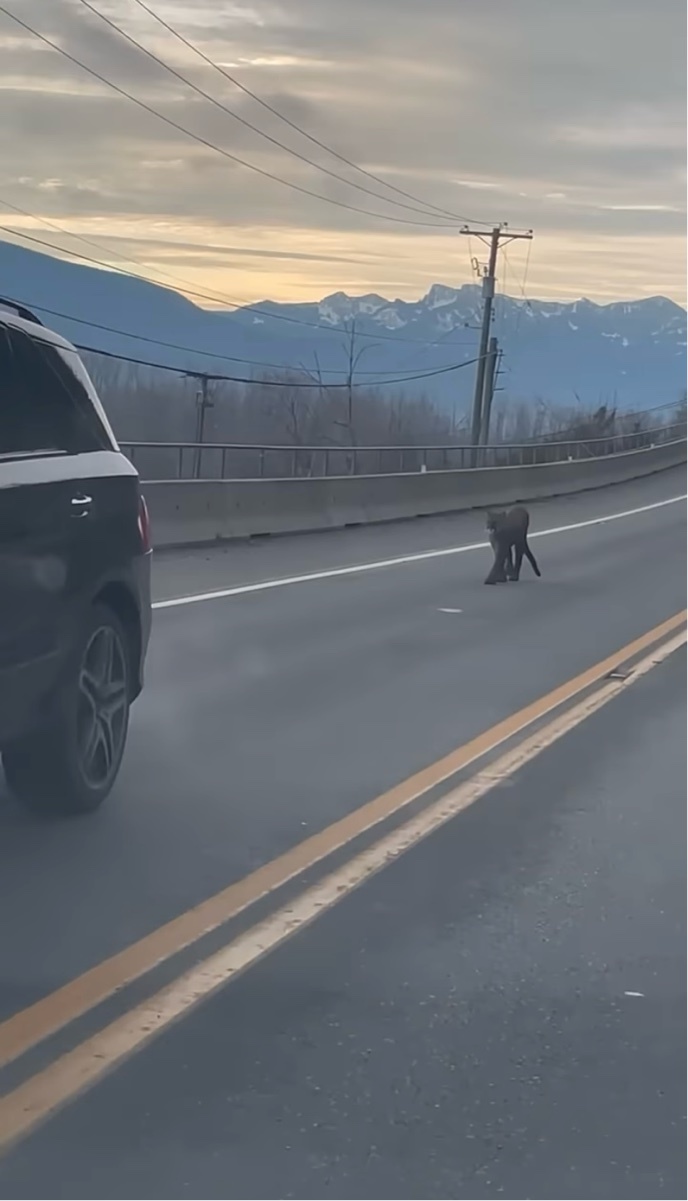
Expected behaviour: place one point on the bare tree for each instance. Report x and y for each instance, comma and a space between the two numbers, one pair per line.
302, 411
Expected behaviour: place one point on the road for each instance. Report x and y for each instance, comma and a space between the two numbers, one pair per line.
460, 1023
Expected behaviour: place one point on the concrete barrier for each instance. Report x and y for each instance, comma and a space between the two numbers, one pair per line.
193, 512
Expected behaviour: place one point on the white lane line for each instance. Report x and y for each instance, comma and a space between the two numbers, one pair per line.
450, 610
334, 572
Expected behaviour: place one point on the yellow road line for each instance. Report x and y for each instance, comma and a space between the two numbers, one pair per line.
37, 1022
40, 1096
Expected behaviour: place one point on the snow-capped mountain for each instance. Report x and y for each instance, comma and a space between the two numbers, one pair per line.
632, 353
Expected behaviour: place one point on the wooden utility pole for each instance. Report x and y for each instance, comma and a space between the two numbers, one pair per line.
203, 403
488, 392
353, 359
500, 233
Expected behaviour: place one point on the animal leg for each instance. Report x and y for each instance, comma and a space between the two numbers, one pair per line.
531, 557
497, 574
518, 559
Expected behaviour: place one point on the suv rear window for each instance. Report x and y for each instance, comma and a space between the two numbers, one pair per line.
44, 407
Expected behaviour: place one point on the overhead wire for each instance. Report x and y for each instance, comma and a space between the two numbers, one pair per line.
186, 286
522, 286
268, 383
301, 384
299, 128
229, 358
523, 305
440, 341
161, 116
624, 416
237, 116
210, 145
187, 289
242, 305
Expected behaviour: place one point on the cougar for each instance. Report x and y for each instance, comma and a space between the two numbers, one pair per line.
508, 533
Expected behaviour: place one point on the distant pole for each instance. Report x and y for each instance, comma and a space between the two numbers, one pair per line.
499, 233
203, 403
201, 406
492, 356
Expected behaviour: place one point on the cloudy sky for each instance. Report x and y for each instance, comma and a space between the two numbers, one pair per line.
567, 116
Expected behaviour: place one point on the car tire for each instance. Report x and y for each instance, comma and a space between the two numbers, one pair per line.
69, 764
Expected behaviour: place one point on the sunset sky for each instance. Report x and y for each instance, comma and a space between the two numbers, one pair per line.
567, 117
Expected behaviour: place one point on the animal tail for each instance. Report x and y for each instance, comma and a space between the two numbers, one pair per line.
531, 557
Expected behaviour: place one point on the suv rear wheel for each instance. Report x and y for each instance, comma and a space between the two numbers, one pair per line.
70, 763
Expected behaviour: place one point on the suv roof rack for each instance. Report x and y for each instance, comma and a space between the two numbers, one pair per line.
20, 309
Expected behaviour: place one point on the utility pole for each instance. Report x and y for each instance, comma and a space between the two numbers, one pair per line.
500, 233
353, 359
490, 371
203, 403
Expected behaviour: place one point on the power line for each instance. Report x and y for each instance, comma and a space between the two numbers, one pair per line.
244, 305
269, 383
231, 300
228, 358
525, 273
522, 285
206, 141
623, 416
437, 342
186, 288
672, 404
299, 128
524, 305
237, 117
111, 329
235, 379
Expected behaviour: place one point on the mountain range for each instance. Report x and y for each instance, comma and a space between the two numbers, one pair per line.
632, 354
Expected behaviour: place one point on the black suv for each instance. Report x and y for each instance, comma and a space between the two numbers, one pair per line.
75, 608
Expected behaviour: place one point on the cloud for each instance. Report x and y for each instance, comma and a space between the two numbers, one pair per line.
569, 118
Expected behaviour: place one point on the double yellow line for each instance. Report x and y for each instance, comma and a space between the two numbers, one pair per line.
27, 1105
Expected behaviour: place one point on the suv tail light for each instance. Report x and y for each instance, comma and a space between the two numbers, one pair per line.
144, 525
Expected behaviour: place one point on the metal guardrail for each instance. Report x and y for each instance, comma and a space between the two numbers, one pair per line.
236, 460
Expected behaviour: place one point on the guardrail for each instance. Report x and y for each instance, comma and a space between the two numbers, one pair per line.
236, 460
194, 512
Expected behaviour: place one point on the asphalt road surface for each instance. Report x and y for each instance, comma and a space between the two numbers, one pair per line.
462, 1026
